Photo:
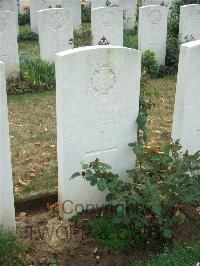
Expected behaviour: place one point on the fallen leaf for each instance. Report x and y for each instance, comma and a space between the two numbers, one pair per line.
24, 182
22, 214
52, 146
16, 189
31, 174
37, 144
29, 159
52, 207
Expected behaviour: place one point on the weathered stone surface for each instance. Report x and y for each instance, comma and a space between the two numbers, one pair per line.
97, 106
189, 25
8, 43
10, 5
186, 122
55, 31
75, 6
7, 210
152, 32
129, 12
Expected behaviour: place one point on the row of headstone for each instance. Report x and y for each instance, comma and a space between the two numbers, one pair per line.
98, 106
101, 114
152, 29
107, 24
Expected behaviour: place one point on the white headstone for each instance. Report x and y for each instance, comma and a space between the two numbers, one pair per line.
186, 122
129, 12
104, 3
189, 25
10, 5
97, 108
107, 22
55, 31
37, 5
75, 6
152, 32
8, 43
24, 3
7, 210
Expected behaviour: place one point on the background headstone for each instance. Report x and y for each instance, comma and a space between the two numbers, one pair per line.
55, 31
10, 5
75, 6
107, 22
7, 210
152, 31
97, 108
37, 5
186, 122
129, 12
189, 25
8, 43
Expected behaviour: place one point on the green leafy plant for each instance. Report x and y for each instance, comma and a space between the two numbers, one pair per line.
27, 35
149, 64
130, 39
12, 252
159, 186
163, 180
37, 74
75, 218
148, 95
24, 19
118, 237
82, 36
86, 12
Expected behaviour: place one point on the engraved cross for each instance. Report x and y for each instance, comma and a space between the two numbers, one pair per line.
102, 150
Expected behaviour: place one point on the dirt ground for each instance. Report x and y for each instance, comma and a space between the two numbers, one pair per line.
52, 241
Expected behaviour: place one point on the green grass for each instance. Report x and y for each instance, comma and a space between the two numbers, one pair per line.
179, 255
33, 142
12, 252
130, 39
28, 47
